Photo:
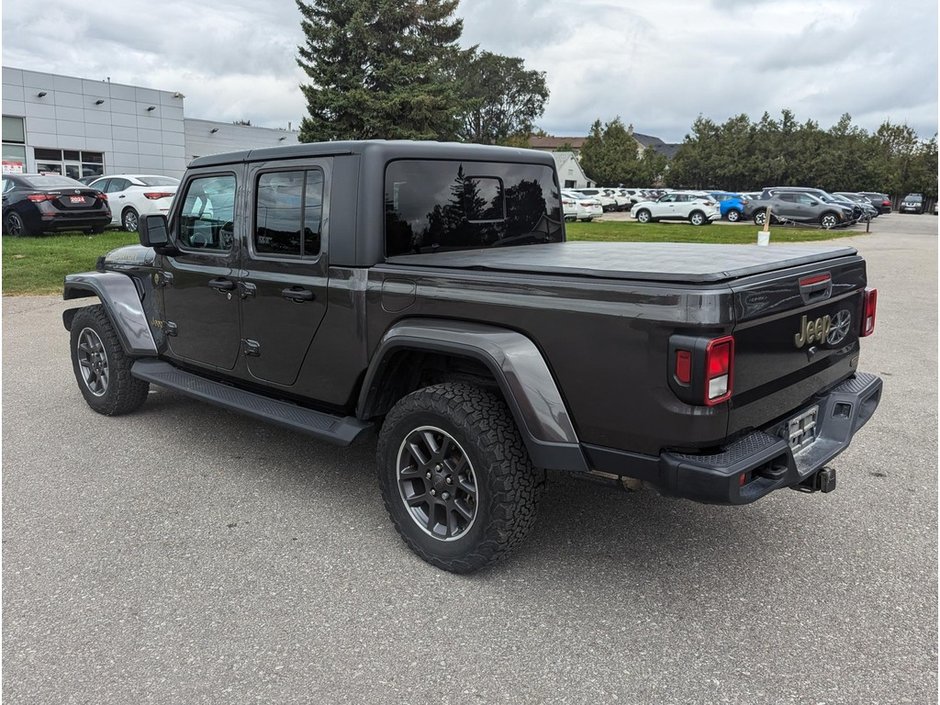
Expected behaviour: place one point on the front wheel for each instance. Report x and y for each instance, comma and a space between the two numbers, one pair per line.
829, 220
760, 217
456, 477
643, 216
101, 367
734, 216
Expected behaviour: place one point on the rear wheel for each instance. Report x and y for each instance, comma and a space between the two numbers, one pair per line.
734, 216
102, 369
456, 477
13, 224
697, 218
643, 216
130, 220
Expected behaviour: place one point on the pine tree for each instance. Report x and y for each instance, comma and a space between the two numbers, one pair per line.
377, 69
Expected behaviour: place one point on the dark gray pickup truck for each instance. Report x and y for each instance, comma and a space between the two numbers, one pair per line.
426, 291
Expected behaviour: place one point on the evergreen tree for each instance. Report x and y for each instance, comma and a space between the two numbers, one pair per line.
610, 154
378, 69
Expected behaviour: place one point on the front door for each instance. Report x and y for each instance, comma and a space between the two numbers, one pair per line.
284, 273
199, 285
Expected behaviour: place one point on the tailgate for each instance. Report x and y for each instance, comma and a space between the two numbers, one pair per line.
796, 333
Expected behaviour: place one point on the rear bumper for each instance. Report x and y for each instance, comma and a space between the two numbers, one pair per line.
763, 457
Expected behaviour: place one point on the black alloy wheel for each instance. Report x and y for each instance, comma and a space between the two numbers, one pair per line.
437, 483
13, 225
456, 477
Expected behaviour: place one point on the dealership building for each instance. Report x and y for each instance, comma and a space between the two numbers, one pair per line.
81, 127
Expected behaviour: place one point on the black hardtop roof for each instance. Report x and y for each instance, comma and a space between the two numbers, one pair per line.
384, 150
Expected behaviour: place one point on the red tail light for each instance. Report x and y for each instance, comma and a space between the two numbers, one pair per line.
870, 308
719, 370
155, 195
40, 197
101, 196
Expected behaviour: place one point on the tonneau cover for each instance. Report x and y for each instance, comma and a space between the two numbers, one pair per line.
648, 261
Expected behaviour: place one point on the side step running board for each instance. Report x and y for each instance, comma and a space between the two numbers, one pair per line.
335, 429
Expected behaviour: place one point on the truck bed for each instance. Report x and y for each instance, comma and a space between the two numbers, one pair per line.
689, 263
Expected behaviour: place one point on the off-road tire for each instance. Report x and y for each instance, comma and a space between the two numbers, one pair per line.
121, 393
508, 486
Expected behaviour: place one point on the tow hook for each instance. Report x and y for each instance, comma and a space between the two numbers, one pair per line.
822, 481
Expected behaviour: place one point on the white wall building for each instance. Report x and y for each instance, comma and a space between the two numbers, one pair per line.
570, 173
80, 127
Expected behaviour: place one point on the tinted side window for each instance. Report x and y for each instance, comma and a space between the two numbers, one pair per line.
206, 218
288, 213
448, 205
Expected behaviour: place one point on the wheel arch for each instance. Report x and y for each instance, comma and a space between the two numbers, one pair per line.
120, 299
508, 358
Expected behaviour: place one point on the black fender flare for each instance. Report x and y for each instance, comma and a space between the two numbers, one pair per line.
517, 365
121, 300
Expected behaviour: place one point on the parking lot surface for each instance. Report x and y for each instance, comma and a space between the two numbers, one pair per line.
184, 554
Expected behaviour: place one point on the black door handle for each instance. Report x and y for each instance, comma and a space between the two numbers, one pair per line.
221, 284
297, 295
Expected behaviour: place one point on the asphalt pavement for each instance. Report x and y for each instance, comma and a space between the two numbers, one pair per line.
183, 554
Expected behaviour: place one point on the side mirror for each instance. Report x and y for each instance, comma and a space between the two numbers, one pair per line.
152, 230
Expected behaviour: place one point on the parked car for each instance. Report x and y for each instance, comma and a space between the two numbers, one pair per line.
820, 194
912, 203
37, 203
731, 205
587, 208
134, 195
868, 210
607, 202
801, 207
696, 207
718, 373
881, 201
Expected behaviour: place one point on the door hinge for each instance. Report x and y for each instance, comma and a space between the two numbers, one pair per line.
170, 328
251, 348
246, 289
163, 279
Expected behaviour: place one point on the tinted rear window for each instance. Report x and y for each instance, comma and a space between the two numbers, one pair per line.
437, 206
159, 181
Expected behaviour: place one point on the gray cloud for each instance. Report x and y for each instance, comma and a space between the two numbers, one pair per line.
656, 66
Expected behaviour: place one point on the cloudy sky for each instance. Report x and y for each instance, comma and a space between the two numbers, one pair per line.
657, 65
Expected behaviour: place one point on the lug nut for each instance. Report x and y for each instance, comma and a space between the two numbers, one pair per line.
434, 493
438, 467
427, 475
449, 480
445, 496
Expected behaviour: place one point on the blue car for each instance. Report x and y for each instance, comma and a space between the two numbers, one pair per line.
731, 205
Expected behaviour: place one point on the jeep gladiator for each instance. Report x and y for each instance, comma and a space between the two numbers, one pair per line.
426, 291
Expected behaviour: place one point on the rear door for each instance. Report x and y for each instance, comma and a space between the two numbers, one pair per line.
284, 275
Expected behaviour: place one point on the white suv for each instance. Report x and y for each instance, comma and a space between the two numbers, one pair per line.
131, 196
607, 202
696, 207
